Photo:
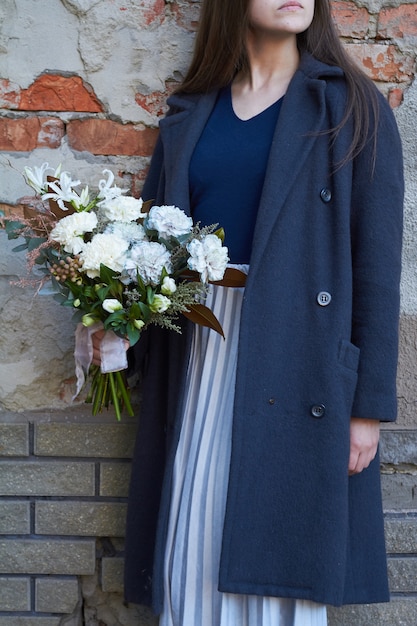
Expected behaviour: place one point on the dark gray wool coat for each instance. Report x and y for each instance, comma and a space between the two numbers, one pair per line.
318, 344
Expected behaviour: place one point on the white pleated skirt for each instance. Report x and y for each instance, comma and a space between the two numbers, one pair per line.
201, 471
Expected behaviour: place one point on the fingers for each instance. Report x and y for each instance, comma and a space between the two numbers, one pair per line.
364, 437
97, 339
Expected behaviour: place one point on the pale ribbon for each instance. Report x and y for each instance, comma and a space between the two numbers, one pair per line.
112, 352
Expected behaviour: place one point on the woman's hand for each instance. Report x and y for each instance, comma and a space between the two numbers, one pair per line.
97, 339
364, 437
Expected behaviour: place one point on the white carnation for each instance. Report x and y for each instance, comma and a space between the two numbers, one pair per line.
109, 250
208, 257
122, 209
131, 231
148, 258
69, 230
169, 221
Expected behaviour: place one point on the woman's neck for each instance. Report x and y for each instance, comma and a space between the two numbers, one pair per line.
272, 64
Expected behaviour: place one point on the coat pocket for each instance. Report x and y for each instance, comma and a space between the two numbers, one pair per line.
349, 355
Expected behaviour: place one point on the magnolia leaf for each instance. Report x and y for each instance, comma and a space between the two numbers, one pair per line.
202, 315
231, 278
53, 205
147, 205
220, 234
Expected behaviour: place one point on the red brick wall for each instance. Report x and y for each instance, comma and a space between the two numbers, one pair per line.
383, 43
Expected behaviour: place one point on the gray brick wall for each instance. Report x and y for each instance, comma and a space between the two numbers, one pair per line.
63, 490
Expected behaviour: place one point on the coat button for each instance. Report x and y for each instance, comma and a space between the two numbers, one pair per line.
326, 194
324, 298
271, 400
318, 410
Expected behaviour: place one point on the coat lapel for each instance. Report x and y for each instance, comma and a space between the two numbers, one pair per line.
180, 133
296, 132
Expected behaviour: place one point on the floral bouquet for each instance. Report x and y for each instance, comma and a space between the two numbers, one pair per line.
121, 264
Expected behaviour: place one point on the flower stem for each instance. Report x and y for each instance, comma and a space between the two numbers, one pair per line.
114, 396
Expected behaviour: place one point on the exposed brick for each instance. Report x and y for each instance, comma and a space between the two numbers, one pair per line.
155, 102
26, 134
85, 440
186, 14
401, 535
56, 595
399, 612
112, 574
99, 519
399, 446
14, 518
351, 20
51, 92
104, 137
114, 479
14, 594
30, 621
14, 438
398, 22
154, 11
9, 94
46, 556
399, 490
382, 62
395, 97
20, 478
402, 575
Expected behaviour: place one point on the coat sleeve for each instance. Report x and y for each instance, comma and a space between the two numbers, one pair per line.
377, 207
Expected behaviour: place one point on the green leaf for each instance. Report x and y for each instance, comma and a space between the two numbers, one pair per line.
133, 334
23, 246
35, 242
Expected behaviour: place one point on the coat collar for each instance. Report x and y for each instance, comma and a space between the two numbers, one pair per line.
302, 116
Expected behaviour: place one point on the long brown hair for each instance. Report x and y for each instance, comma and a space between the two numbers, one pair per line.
220, 53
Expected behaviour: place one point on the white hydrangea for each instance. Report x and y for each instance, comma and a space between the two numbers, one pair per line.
70, 229
110, 250
148, 258
169, 221
122, 209
208, 257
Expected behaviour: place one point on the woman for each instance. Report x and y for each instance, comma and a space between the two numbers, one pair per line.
255, 494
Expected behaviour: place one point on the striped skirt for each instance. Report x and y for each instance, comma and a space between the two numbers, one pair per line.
199, 489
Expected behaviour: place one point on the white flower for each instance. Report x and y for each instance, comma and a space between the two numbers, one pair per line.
36, 177
169, 221
81, 200
131, 231
106, 191
111, 305
160, 304
168, 286
208, 257
69, 230
109, 250
139, 324
148, 258
62, 190
122, 209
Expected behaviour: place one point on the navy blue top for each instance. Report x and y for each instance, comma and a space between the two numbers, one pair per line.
227, 172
